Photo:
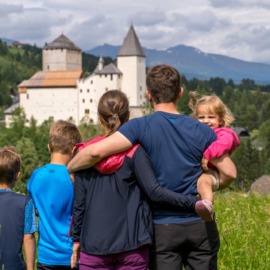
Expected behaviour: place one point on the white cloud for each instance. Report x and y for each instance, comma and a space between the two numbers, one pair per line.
236, 28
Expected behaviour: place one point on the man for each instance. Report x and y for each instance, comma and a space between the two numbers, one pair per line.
175, 144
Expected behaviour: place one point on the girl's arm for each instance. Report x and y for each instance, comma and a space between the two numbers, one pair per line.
227, 141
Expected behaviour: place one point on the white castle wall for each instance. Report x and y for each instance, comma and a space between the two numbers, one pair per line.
90, 90
61, 103
133, 82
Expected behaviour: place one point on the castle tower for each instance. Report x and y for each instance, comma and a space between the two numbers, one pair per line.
131, 62
61, 54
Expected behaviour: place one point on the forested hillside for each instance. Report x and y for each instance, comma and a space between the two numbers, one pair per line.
249, 102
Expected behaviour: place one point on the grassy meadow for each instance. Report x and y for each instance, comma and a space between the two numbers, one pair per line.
244, 226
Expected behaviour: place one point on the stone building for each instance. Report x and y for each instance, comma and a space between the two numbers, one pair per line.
61, 91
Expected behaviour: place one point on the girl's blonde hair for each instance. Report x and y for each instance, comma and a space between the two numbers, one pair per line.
215, 106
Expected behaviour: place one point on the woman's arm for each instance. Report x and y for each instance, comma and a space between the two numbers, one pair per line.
151, 187
78, 206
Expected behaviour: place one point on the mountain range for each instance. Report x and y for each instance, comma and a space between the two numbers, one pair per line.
194, 63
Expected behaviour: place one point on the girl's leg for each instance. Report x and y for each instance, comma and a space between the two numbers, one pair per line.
204, 186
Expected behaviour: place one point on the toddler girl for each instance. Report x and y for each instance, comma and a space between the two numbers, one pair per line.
214, 113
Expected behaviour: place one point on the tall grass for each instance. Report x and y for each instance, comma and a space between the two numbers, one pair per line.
244, 227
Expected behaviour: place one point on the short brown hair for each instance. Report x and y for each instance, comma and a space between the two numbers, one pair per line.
63, 137
163, 82
113, 110
10, 164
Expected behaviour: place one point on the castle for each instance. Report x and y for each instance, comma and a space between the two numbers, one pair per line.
61, 91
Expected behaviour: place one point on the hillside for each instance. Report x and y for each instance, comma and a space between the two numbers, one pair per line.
190, 61
194, 63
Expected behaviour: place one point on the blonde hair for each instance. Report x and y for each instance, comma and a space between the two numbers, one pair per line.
10, 165
63, 137
215, 106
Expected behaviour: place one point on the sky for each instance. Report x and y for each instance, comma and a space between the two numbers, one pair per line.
235, 28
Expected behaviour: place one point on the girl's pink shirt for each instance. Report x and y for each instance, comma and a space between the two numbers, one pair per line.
227, 141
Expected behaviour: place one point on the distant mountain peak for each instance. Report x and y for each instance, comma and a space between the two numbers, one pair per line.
194, 63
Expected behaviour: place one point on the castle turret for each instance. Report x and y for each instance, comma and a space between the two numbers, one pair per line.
131, 62
61, 54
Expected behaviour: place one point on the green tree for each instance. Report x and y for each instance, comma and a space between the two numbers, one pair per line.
248, 164
30, 161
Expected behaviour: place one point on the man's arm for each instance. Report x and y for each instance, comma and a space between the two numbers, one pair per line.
93, 153
227, 170
29, 244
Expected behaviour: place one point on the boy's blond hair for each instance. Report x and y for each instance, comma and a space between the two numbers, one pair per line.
63, 137
215, 105
10, 165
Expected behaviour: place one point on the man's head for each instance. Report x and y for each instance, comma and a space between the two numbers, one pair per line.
63, 137
10, 165
163, 84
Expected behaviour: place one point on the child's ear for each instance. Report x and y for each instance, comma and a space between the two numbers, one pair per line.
74, 149
49, 149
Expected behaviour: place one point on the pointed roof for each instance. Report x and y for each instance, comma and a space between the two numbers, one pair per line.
62, 42
109, 69
131, 45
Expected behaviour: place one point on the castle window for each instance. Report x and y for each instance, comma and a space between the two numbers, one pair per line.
106, 89
87, 90
48, 67
83, 100
91, 82
140, 88
91, 100
111, 77
80, 90
86, 111
27, 96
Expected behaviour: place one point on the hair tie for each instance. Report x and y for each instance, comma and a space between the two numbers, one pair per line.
114, 116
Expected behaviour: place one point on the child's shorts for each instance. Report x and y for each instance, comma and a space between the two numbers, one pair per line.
215, 178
